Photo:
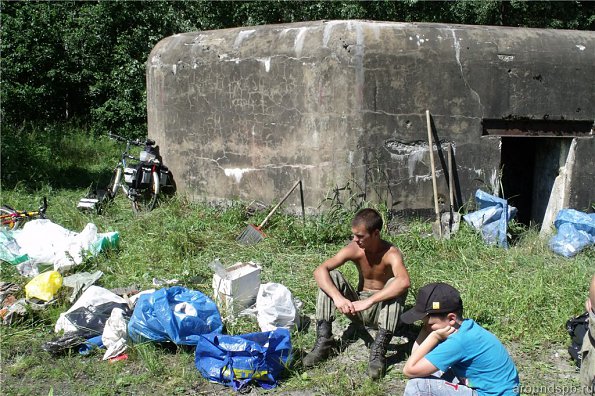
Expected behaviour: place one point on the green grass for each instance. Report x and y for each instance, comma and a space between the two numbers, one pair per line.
524, 295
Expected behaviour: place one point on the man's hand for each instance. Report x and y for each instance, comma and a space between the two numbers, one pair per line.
344, 306
443, 333
362, 305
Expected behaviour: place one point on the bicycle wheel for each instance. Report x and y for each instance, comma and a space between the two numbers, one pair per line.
144, 200
114, 184
10, 219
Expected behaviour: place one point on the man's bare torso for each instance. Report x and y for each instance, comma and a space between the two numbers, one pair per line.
374, 267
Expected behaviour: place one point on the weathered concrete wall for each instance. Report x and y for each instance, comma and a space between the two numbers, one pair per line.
243, 113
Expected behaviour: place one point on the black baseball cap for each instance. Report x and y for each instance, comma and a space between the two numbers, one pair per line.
433, 298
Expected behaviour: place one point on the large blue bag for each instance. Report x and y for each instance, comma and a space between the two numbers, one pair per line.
174, 314
492, 218
236, 360
576, 230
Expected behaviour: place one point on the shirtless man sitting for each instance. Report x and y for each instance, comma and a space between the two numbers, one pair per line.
378, 299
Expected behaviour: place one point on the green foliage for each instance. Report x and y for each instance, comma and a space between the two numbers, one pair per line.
86, 60
83, 60
32, 156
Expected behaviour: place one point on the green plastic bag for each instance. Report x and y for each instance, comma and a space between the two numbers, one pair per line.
9, 249
107, 240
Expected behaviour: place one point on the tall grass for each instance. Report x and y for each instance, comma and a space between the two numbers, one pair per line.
524, 294
62, 156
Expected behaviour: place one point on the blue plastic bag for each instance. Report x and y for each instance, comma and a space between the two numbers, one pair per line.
90, 345
576, 230
492, 218
237, 360
174, 314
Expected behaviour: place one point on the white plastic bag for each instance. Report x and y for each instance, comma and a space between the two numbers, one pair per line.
95, 303
48, 243
275, 307
114, 334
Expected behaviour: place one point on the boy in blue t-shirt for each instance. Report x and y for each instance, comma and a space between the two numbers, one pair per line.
449, 343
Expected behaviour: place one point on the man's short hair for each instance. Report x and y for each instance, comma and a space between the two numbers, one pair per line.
370, 218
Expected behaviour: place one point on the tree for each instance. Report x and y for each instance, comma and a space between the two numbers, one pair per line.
86, 60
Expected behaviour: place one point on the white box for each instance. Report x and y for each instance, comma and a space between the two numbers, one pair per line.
88, 204
129, 175
238, 289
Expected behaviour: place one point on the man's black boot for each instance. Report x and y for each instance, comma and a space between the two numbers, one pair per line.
377, 363
323, 346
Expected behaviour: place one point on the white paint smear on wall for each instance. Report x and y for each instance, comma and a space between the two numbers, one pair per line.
237, 173
299, 41
244, 34
266, 62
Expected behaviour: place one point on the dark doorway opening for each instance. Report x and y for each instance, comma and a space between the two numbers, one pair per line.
532, 154
529, 168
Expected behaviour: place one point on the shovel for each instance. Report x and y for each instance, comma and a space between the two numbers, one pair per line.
452, 219
253, 234
436, 226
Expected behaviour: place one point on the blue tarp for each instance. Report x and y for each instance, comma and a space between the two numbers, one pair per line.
576, 230
174, 314
492, 218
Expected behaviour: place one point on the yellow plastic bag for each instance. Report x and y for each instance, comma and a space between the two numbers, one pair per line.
44, 286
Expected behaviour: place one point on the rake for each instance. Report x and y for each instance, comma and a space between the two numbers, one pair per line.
253, 234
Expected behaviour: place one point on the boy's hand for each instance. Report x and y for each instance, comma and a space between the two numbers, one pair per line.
443, 333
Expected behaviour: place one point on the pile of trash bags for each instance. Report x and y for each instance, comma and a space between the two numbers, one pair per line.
42, 242
110, 320
102, 319
575, 229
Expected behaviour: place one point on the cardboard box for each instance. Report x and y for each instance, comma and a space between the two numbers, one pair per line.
237, 288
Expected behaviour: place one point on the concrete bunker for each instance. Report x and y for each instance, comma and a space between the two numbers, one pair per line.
243, 113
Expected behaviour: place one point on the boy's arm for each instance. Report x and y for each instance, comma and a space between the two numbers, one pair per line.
417, 365
423, 334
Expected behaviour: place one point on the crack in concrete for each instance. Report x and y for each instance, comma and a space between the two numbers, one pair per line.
238, 173
420, 115
457, 47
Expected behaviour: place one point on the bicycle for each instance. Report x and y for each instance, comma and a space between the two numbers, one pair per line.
13, 219
144, 181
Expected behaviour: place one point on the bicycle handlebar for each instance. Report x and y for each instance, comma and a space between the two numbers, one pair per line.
43, 206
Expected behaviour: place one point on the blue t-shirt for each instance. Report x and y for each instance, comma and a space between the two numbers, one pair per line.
476, 354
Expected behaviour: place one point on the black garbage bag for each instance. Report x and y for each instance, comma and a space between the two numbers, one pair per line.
65, 343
